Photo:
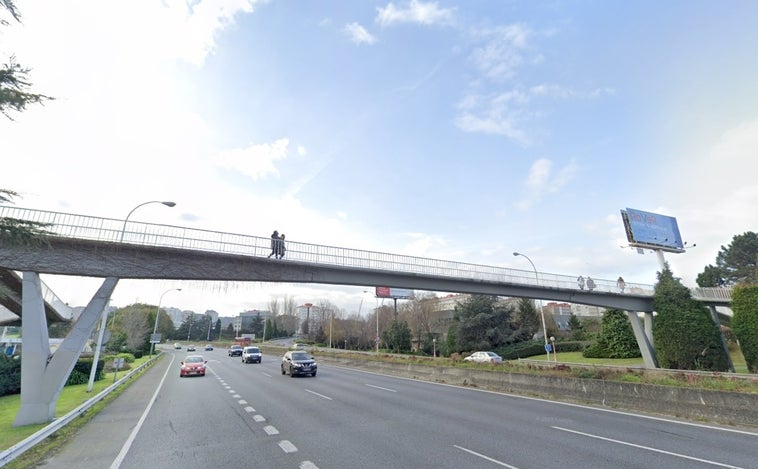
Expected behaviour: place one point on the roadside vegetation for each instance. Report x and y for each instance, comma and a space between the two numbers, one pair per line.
70, 398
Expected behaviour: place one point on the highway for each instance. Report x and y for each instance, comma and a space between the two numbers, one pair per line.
250, 416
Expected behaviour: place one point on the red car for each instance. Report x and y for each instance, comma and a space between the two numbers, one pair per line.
193, 365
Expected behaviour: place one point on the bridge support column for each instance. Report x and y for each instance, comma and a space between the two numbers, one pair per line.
42, 377
648, 318
646, 346
715, 317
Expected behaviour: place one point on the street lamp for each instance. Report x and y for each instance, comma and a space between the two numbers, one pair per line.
542, 313
123, 230
157, 315
434, 347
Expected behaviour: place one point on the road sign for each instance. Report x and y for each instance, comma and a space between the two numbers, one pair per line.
155, 338
548, 348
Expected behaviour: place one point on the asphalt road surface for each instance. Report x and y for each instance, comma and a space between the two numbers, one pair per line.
250, 416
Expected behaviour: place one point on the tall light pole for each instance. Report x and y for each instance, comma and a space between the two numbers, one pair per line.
123, 230
539, 303
157, 315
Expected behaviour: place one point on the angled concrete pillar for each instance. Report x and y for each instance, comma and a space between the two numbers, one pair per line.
42, 377
648, 317
646, 346
715, 317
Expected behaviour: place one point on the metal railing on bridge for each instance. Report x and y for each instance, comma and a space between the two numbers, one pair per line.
68, 225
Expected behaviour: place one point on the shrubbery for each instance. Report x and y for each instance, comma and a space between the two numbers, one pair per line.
10, 375
745, 323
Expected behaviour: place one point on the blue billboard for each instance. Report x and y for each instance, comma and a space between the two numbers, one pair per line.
652, 230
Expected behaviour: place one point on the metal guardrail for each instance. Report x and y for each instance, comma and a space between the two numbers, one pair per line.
25, 445
66, 225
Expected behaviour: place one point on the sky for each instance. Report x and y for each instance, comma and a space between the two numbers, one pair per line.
456, 130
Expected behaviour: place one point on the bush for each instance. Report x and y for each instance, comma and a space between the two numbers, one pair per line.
81, 371
10, 375
745, 323
522, 350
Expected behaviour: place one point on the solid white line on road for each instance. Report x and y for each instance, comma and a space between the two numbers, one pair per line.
379, 387
249, 409
319, 395
648, 448
307, 465
500, 463
287, 447
270, 430
259, 418
128, 444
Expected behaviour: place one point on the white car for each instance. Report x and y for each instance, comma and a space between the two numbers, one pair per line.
484, 357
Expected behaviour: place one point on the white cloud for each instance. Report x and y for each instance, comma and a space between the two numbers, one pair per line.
426, 13
358, 34
255, 161
502, 114
542, 180
502, 51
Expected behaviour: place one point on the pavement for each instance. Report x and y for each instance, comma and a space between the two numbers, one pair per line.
97, 444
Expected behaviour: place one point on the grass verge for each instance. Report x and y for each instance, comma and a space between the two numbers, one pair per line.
70, 398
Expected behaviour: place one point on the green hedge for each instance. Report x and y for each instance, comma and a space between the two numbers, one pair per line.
745, 323
534, 347
10, 375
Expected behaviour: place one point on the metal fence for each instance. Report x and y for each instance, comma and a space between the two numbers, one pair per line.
131, 232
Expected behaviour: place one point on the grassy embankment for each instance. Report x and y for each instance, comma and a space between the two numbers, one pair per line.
70, 398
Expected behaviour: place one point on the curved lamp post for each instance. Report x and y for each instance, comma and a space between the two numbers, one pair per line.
542, 313
157, 315
123, 230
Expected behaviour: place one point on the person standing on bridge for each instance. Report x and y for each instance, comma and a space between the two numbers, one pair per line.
274, 244
580, 282
621, 284
590, 284
281, 247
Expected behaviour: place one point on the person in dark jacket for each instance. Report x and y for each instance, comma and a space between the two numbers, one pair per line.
274, 244
281, 248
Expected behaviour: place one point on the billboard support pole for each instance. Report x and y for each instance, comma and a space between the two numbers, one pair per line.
661, 259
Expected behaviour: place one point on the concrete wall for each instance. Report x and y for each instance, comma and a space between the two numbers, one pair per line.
731, 408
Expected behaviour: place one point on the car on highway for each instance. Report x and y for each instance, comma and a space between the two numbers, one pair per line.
191, 348
208, 347
235, 351
251, 354
298, 362
178, 346
484, 357
192, 365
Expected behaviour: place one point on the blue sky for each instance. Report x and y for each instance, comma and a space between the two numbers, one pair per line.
454, 130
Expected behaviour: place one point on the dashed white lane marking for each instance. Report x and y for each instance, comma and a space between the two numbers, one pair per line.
236, 396
259, 418
270, 430
656, 450
249, 409
307, 465
319, 395
266, 374
232, 391
500, 463
287, 447
379, 387
226, 386
241, 402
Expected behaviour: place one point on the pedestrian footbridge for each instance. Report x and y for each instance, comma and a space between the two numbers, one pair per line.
113, 249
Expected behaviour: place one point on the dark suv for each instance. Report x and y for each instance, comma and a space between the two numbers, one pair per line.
298, 362
235, 351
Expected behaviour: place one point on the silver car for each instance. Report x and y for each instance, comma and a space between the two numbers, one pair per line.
484, 357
